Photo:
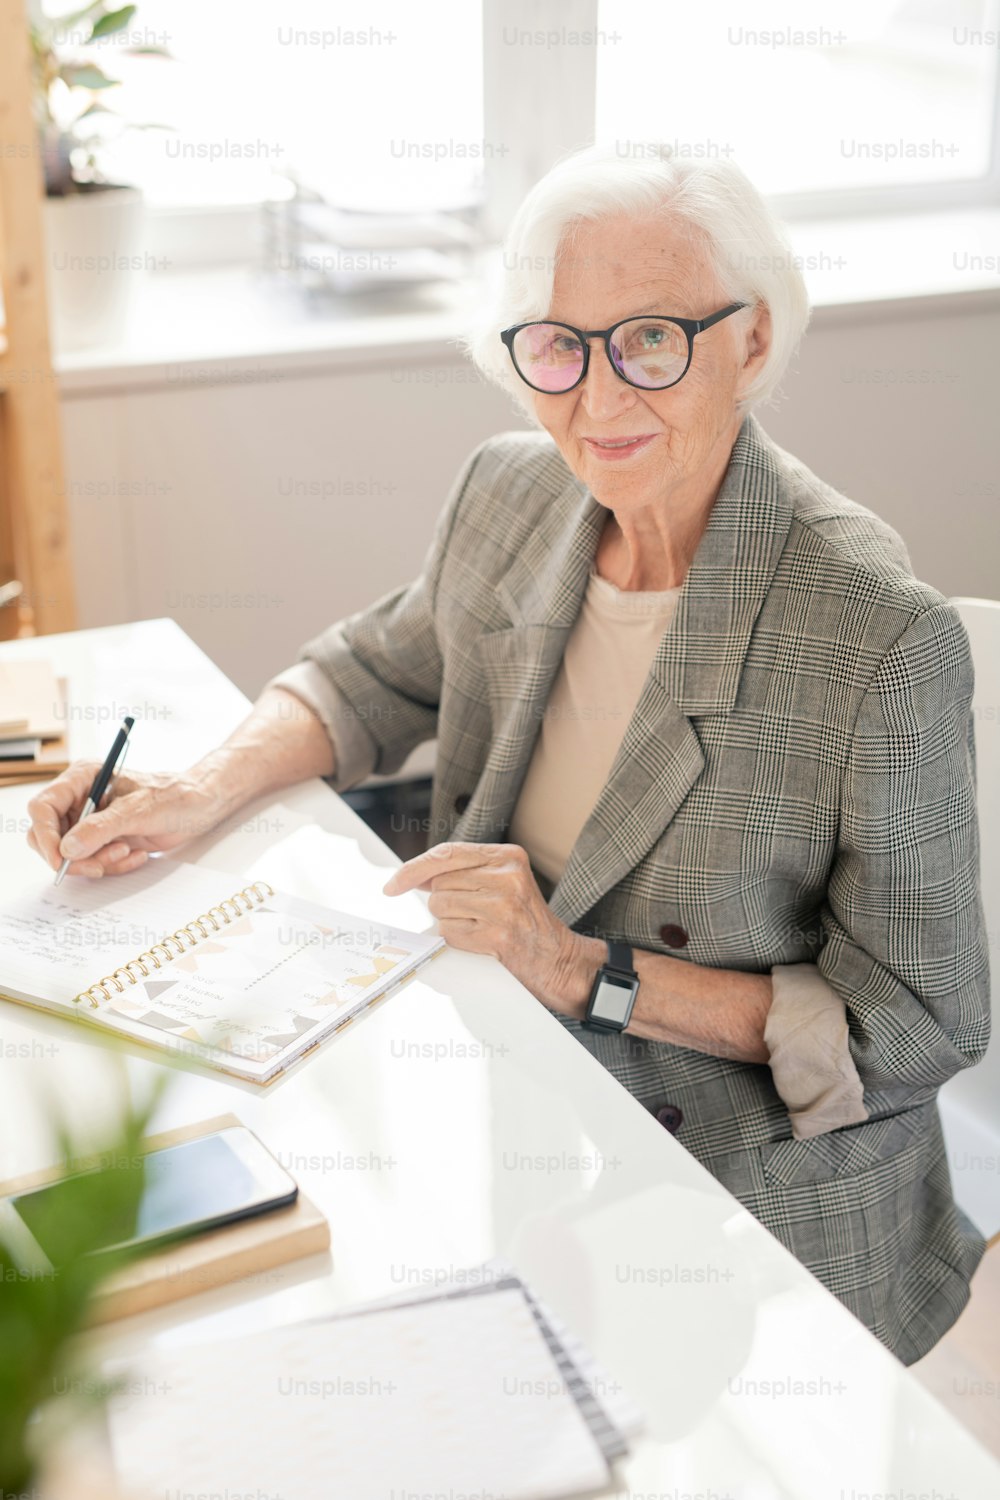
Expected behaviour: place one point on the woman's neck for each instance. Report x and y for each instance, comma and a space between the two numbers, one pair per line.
652, 547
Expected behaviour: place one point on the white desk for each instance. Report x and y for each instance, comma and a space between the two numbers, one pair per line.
459, 1121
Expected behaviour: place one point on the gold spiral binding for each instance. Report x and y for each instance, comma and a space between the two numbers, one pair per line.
184, 940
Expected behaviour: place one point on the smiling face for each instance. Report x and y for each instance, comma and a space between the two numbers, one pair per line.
676, 441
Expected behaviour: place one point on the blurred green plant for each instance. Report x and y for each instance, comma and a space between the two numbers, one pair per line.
70, 88
43, 1389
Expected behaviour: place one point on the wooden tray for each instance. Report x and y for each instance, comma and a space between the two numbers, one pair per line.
209, 1260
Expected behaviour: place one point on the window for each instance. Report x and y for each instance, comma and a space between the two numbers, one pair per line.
863, 96
375, 107
866, 104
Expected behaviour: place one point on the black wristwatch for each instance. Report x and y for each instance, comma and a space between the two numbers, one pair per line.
613, 995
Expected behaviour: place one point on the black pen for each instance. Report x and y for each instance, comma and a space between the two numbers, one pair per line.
101, 782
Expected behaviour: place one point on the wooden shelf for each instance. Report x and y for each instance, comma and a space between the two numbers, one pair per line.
34, 529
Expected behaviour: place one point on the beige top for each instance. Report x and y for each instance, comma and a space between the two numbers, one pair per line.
606, 662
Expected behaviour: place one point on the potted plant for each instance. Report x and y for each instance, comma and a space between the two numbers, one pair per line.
93, 224
45, 1389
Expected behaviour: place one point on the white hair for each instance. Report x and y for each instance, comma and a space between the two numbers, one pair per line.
747, 246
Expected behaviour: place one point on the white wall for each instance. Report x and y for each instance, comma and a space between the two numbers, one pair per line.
901, 411
209, 533
178, 504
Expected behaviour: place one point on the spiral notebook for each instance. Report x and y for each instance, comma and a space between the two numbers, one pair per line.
470, 1393
245, 980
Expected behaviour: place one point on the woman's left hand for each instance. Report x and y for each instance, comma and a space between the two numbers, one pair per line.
486, 900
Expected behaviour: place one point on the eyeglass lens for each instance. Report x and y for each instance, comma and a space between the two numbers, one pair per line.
649, 352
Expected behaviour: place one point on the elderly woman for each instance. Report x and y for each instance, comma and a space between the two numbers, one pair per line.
705, 776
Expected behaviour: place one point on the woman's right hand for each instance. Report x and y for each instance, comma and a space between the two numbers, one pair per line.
147, 813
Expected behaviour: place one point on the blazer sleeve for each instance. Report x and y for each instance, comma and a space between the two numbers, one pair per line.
381, 668
905, 945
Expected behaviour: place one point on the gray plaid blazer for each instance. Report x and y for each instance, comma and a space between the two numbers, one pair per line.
797, 785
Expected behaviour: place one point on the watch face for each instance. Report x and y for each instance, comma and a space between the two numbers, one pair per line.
613, 1000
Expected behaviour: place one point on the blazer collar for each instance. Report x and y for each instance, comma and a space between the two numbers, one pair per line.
700, 658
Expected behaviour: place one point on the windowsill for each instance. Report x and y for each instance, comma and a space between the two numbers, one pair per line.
900, 259
239, 325
236, 324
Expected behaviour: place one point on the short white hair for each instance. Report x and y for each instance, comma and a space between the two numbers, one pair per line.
749, 250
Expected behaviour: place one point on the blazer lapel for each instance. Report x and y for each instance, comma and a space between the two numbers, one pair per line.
541, 594
696, 671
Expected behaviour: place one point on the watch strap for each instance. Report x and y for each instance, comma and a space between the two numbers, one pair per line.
620, 958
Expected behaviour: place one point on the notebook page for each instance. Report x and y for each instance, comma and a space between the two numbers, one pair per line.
249, 997
57, 940
440, 1397
269, 984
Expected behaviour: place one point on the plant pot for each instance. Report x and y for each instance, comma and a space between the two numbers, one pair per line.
92, 264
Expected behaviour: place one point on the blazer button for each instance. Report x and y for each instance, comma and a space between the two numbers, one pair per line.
461, 802
673, 936
670, 1117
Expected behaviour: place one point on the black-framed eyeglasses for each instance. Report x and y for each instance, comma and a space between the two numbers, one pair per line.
651, 353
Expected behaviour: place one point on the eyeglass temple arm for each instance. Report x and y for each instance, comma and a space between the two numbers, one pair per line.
718, 317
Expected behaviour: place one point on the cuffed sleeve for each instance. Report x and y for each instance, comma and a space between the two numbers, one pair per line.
374, 678
354, 751
811, 1064
903, 925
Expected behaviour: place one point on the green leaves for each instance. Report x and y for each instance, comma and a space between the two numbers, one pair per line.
85, 75
43, 1308
57, 58
111, 21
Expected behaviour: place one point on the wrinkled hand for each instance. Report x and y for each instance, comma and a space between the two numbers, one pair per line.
486, 900
147, 813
